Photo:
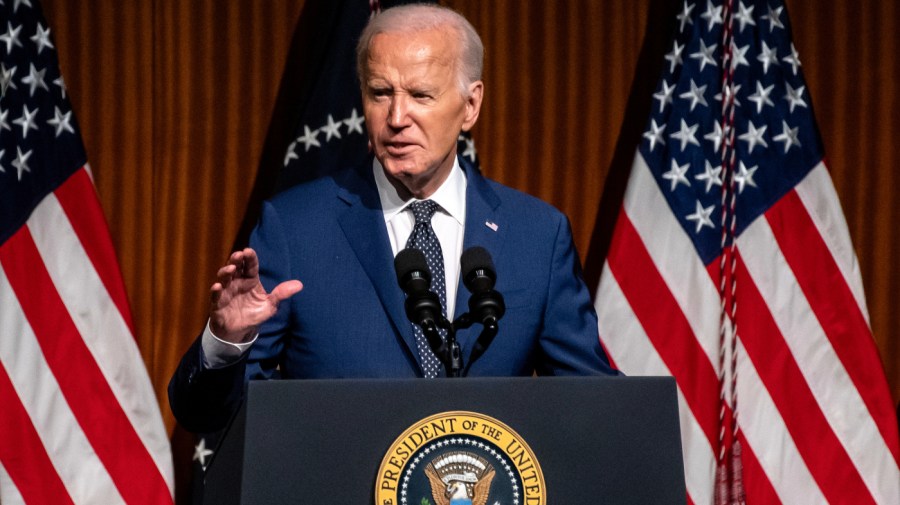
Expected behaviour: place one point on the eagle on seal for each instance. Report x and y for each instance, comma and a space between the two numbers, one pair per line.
460, 478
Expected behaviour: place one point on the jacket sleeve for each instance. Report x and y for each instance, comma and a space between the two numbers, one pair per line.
569, 338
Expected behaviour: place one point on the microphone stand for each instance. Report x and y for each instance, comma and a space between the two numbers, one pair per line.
447, 351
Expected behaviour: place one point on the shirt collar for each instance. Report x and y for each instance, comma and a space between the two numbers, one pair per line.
451, 195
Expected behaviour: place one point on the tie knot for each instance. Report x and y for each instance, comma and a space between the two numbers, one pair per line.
423, 210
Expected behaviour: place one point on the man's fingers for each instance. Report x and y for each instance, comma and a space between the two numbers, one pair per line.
251, 263
285, 290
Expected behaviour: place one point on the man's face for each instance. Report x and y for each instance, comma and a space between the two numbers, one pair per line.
414, 109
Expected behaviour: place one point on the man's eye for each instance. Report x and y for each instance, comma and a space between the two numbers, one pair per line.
380, 92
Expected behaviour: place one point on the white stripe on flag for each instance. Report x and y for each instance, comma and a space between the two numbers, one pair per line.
636, 355
101, 326
825, 375
818, 195
9, 494
768, 437
675, 257
78, 466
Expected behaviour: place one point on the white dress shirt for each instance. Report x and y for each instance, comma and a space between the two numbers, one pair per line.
449, 226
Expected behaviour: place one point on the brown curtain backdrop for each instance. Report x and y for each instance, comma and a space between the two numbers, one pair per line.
176, 101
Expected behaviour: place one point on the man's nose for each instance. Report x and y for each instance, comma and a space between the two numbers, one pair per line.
398, 113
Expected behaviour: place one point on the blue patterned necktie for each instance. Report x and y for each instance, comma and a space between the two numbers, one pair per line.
424, 239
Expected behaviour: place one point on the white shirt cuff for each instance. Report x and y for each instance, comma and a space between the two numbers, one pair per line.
218, 353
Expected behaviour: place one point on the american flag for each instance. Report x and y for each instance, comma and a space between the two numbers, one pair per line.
731, 269
79, 421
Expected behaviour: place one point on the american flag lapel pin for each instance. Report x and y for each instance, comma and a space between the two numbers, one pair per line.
492, 225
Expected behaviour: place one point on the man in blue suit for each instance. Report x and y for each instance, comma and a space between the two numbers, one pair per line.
420, 73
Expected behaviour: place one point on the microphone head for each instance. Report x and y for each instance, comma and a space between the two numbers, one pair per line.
412, 270
478, 269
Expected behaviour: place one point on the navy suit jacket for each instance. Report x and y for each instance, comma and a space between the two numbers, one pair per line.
349, 319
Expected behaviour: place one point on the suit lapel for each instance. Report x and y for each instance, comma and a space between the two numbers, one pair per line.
484, 227
363, 224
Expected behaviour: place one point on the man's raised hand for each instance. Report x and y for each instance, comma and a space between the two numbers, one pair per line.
238, 301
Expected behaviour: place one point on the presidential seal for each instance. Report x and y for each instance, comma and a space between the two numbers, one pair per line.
459, 458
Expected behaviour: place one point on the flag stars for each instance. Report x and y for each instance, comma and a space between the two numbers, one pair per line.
4, 125
790, 136
42, 38
713, 15
11, 37
774, 18
26, 120
62, 122
201, 452
739, 56
62, 85
674, 57
21, 162
686, 135
731, 91
701, 217
331, 129
676, 175
655, 134
309, 138
6, 78
705, 55
17, 3
768, 56
716, 136
35, 79
754, 136
469, 151
684, 17
291, 153
794, 96
664, 96
744, 177
761, 97
695, 95
745, 16
793, 59
354, 122
712, 176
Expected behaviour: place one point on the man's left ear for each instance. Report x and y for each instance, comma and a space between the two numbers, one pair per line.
473, 105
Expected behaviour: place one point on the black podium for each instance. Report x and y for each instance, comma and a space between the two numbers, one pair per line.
603, 440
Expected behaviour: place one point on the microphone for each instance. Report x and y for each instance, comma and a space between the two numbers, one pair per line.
423, 306
485, 305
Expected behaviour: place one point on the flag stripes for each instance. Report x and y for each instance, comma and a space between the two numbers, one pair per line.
82, 284
42, 410
774, 360
801, 411
79, 200
31, 468
773, 466
80, 335
825, 286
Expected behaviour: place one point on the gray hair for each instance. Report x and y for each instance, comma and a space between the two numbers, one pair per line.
418, 17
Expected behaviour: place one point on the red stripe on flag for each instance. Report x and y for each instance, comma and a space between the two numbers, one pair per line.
665, 325
78, 199
22, 452
93, 403
836, 309
826, 458
757, 486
